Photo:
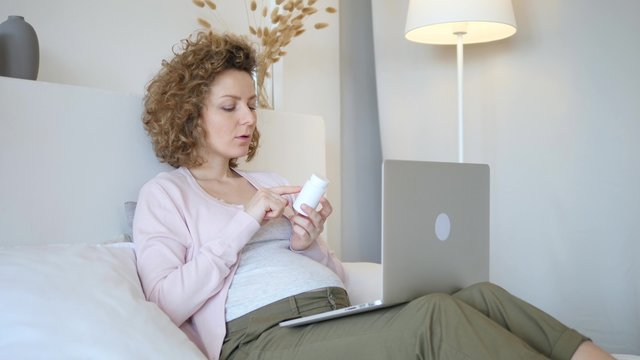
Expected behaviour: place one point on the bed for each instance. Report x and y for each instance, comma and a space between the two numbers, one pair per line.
73, 160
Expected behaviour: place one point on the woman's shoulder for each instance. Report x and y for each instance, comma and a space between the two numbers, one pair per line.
167, 181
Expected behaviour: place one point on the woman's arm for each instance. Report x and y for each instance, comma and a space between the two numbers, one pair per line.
306, 238
179, 283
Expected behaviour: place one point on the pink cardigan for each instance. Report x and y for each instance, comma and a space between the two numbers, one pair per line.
187, 245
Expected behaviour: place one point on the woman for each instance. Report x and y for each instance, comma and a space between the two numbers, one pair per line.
224, 255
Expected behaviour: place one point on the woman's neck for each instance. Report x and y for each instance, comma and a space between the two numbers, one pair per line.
208, 171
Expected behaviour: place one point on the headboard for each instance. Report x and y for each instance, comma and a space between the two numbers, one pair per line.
72, 156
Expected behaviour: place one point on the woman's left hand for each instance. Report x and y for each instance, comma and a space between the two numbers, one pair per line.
306, 229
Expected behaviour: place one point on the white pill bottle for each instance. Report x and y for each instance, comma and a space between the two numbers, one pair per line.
311, 193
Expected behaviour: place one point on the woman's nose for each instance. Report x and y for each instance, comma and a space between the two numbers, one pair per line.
248, 116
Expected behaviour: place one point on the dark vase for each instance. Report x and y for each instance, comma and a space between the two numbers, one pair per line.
19, 49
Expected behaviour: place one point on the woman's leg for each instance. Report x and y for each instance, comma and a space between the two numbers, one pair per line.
435, 326
544, 333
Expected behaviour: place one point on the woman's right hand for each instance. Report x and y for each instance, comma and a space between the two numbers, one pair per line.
269, 203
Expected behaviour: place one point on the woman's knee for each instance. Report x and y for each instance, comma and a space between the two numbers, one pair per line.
437, 298
483, 289
436, 311
436, 302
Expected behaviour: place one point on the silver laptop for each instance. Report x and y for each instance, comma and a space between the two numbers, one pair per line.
435, 232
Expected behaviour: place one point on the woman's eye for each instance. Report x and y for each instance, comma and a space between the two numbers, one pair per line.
228, 108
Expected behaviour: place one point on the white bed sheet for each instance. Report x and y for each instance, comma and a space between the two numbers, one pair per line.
81, 302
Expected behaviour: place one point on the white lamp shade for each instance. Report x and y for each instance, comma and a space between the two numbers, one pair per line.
438, 21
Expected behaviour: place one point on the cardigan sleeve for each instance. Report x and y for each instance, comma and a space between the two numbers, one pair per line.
163, 242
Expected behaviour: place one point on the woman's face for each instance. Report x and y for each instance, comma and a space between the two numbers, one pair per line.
229, 115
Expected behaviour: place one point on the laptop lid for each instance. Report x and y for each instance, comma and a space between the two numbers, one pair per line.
435, 227
435, 232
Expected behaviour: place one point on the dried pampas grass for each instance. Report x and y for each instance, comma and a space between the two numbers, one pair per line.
204, 23
273, 27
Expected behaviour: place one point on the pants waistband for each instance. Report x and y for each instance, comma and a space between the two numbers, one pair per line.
304, 304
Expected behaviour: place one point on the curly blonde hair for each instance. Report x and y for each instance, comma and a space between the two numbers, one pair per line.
176, 95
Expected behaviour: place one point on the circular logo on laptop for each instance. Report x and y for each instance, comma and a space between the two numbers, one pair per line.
443, 227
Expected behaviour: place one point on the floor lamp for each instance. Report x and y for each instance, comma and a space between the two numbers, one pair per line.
449, 22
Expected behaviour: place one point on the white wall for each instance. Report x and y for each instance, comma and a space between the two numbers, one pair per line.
118, 45
554, 111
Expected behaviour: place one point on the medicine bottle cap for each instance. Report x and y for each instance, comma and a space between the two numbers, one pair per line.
318, 181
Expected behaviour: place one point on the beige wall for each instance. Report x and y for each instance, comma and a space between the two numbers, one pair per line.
119, 44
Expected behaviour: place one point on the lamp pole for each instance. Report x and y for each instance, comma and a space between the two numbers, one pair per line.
456, 22
460, 56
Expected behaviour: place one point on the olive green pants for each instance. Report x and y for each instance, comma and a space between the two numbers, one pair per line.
482, 321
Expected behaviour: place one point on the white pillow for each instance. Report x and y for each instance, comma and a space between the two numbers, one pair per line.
364, 281
81, 302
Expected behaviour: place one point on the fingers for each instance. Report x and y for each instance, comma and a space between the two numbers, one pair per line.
307, 224
313, 216
266, 204
306, 229
289, 212
274, 205
271, 203
326, 209
285, 190
321, 215
300, 231
278, 192
313, 224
